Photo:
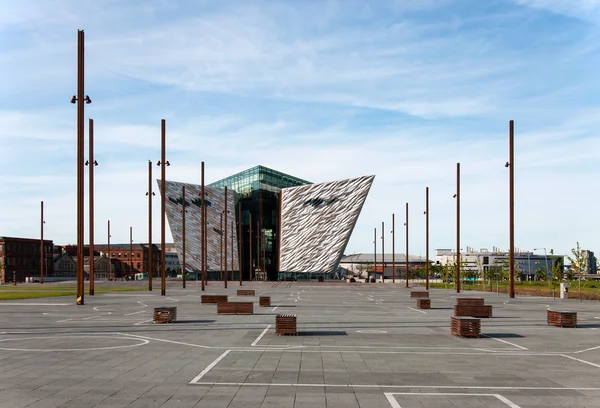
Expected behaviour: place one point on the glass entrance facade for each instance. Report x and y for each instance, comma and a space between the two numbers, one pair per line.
257, 217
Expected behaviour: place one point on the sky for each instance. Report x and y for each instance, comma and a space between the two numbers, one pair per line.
322, 90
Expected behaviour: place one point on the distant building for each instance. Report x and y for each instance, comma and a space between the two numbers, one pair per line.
527, 264
126, 260
20, 259
359, 264
64, 266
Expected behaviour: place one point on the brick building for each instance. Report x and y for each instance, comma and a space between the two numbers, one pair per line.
20, 258
125, 260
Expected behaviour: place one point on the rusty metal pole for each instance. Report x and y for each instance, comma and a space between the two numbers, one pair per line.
225, 238
221, 248
406, 255
183, 211
382, 252
203, 228
130, 252
374, 255
42, 254
232, 250
108, 250
250, 252
80, 176
393, 249
92, 164
427, 238
457, 227
240, 241
511, 165
163, 167
150, 194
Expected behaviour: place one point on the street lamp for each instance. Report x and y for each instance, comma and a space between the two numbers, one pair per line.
393, 232
163, 163
510, 164
406, 223
382, 252
150, 194
426, 212
79, 99
457, 196
42, 253
91, 163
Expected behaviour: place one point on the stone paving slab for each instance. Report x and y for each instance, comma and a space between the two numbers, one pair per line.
358, 345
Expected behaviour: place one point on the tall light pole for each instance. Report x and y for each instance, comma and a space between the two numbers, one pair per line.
225, 237
407, 265
163, 163
203, 228
511, 194
232, 250
240, 246
150, 194
183, 211
91, 163
221, 247
457, 196
42, 254
427, 238
250, 252
393, 249
374, 254
382, 252
79, 99
130, 252
108, 250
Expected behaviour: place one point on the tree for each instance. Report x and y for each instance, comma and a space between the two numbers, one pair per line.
362, 268
579, 264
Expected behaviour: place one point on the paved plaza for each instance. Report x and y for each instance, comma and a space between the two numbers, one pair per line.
358, 345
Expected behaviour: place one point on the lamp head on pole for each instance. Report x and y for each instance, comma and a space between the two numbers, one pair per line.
87, 100
73, 99
507, 164
454, 196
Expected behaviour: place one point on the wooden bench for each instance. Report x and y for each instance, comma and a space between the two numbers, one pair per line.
474, 311
246, 292
264, 301
463, 326
470, 301
206, 299
562, 319
419, 294
285, 324
165, 314
423, 303
235, 308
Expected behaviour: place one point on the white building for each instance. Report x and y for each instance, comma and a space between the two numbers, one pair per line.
527, 263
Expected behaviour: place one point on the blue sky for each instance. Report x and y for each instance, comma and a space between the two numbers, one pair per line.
323, 90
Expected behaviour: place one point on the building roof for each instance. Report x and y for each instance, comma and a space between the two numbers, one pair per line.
387, 258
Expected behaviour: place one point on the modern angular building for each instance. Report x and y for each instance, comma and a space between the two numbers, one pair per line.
271, 223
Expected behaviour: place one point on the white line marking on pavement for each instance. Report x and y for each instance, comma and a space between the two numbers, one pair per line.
505, 342
163, 340
62, 321
416, 310
142, 303
142, 322
143, 343
275, 308
260, 336
34, 304
581, 361
174, 300
392, 400
458, 387
589, 349
210, 367
93, 317
129, 314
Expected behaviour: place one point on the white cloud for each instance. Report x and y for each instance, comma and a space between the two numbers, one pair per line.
322, 94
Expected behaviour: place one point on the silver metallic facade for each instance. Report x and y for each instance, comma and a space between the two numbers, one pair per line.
215, 205
317, 221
